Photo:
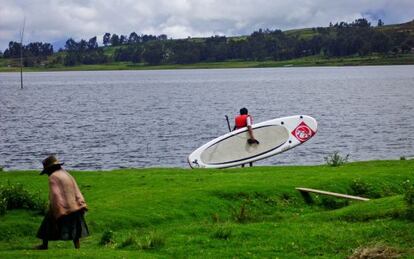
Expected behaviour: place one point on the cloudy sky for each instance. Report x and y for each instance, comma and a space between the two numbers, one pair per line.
57, 20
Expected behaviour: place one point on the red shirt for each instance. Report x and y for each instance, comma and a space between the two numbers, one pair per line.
243, 121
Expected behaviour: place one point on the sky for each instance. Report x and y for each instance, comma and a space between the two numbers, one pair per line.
57, 20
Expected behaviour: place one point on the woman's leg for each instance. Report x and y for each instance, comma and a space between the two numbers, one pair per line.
43, 246
76, 242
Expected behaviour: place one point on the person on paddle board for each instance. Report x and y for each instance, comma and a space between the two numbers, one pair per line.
245, 120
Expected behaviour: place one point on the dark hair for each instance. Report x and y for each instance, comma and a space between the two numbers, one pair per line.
243, 111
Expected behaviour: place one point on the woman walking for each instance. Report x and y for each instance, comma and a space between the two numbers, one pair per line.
65, 218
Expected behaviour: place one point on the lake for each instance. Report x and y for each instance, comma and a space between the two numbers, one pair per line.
118, 119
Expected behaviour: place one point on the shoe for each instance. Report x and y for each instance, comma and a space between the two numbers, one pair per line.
40, 247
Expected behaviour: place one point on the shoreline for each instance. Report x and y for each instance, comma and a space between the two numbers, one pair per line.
187, 168
312, 61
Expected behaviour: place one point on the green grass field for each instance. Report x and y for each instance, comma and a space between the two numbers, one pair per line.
232, 213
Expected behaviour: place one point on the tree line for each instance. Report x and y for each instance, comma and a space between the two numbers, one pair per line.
34, 53
342, 39
83, 52
337, 40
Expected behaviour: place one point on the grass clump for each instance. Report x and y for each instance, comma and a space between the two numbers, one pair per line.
333, 203
376, 251
130, 241
215, 217
409, 198
152, 241
336, 159
107, 238
242, 214
223, 233
15, 196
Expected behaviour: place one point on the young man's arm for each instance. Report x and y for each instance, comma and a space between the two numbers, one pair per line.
252, 140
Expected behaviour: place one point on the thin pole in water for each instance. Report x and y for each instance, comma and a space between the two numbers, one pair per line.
21, 53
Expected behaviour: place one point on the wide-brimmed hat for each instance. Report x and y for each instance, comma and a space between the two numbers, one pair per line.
49, 162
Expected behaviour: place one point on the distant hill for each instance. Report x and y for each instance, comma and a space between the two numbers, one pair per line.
340, 40
310, 32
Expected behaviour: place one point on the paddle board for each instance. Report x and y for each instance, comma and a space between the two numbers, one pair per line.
275, 136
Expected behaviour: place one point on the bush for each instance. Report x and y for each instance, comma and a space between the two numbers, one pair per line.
336, 159
359, 187
15, 196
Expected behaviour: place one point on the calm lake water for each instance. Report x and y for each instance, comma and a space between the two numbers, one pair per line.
116, 119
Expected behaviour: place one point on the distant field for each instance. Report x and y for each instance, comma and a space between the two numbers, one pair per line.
302, 33
231, 213
405, 27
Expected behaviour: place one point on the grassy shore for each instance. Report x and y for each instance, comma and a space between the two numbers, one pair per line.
231, 213
406, 59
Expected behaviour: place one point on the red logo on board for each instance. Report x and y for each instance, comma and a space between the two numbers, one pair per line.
303, 132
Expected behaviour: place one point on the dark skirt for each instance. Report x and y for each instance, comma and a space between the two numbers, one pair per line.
69, 227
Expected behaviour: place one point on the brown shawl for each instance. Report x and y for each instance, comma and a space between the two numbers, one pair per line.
64, 194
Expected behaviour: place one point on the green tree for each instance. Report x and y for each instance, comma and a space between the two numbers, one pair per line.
124, 53
115, 40
184, 52
106, 39
92, 43
405, 48
137, 55
13, 51
70, 59
361, 22
380, 43
162, 37
71, 45
216, 49
123, 39
133, 38
153, 53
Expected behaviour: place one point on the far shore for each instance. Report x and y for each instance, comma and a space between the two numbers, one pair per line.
406, 59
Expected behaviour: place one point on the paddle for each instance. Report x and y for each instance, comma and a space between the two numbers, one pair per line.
228, 122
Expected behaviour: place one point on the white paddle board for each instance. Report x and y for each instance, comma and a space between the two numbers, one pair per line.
275, 136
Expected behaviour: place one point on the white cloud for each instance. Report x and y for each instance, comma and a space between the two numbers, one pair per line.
52, 20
